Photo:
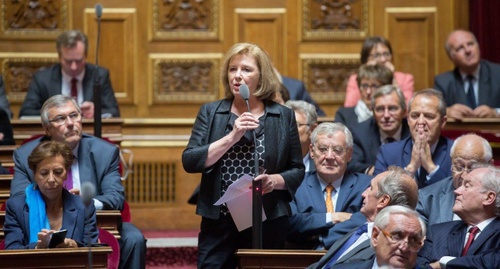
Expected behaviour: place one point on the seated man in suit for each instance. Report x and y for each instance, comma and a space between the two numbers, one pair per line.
96, 161
328, 195
387, 125
71, 77
435, 202
305, 115
472, 89
369, 78
474, 241
425, 153
393, 187
297, 91
397, 236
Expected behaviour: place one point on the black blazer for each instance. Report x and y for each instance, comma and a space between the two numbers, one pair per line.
48, 82
282, 155
451, 85
366, 138
346, 116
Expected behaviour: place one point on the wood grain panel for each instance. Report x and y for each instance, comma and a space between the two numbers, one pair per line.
264, 27
415, 51
116, 48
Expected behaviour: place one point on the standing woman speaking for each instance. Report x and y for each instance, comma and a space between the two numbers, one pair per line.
221, 148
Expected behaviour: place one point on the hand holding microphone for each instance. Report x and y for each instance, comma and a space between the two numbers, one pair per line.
246, 121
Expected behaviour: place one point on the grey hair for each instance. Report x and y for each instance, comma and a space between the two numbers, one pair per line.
330, 128
487, 151
491, 182
387, 90
304, 108
382, 218
55, 101
431, 93
400, 192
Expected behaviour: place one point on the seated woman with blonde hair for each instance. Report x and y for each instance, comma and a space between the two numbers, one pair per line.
46, 207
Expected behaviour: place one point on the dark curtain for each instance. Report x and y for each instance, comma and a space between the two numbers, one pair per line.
484, 22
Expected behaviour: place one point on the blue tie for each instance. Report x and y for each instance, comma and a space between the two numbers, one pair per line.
361, 230
471, 98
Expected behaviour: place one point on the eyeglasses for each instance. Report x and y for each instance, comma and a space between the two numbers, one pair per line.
414, 244
302, 124
337, 151
391, 109
460, 169
62, 119
367, 86
386, 55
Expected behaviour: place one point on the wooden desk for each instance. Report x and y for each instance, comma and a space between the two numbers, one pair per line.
54, 258
284, 259
6, 155
106, 219
27, 128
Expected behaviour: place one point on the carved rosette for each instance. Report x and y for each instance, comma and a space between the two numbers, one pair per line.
18, 72
34, 18
334, 19
186, 19
185, 80
326, 79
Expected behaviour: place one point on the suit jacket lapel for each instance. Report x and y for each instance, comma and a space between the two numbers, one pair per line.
447, 199
345, 190
85, 164
87, 83
440, 153
318, 201
70, 215
457, 239
459, 86
364, 245
407, 151
484, 84
485, 235
56, 79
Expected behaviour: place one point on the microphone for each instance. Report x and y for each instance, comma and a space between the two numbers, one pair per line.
87, 192
256, 185
97, 86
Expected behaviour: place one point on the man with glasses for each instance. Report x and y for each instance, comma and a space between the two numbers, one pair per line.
393, 187
387, 125
425, 153
72, 76
435, 202
473, 241
369, 78
397, 236
472, 88
328, 195
96, 161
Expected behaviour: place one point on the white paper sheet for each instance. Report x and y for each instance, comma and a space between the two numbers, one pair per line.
238, 199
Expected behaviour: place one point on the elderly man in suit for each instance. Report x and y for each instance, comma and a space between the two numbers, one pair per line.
328, 195
435, 202
398, 234
307, 120
393, 187
96, 161
387, 125
472, 89
425, 153
474, 241
72, 76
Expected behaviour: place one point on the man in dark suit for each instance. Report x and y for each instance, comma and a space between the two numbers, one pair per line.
477, 236
297, 91
72, 77
480, 76
328, 195
397, 236
393, 187
387, 125
369, 78
435, 202
426, 153
96, 162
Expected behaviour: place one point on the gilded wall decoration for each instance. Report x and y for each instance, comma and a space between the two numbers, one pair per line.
326, 79
185, 19
34, 18
185, 80
334, 19
17, 74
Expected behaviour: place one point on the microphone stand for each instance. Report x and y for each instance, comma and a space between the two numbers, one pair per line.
97, 84
256, 197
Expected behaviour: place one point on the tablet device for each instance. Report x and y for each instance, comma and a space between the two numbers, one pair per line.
57, 238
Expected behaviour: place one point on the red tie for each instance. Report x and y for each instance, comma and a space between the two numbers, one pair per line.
472, 234
74, 92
